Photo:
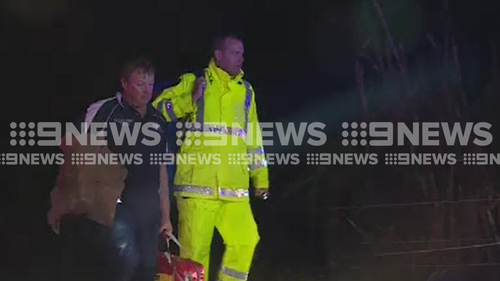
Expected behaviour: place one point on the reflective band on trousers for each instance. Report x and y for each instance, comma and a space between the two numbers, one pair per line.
216, 129
194, 189
209, 191
233, 193
234, 273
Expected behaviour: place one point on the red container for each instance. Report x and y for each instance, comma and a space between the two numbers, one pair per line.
174, 268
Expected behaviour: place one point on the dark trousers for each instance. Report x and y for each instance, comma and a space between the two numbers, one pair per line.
125, 252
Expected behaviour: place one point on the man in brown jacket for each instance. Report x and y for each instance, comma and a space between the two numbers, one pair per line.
111, 225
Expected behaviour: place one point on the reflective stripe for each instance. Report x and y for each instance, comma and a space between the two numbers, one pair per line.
248, 102
161, 105
170, 110
260, 164
209, 191
259, 151
216, 129
233, 193
200, 114
234, 273
194, 189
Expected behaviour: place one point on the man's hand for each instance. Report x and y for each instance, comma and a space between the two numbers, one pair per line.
166, 226
199, 88
262, 193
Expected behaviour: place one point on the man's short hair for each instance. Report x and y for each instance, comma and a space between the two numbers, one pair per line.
142, 64
220, 41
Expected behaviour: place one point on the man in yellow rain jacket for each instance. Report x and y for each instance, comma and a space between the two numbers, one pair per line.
223, 135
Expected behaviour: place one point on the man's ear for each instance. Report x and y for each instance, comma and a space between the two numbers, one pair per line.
123, 82
218, 55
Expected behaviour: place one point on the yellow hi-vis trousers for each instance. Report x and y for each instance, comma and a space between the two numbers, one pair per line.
235, 223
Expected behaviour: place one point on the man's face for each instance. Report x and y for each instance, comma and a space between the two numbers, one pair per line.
230, 58
138, 88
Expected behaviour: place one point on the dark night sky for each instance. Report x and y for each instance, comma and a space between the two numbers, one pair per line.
67, 54
78, 52
57, 57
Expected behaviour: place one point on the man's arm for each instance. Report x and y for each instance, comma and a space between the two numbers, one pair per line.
166, 224
177, 102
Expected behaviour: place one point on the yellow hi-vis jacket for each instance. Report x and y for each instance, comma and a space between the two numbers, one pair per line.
222, 150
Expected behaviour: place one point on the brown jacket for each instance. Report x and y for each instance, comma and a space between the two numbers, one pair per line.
88, 190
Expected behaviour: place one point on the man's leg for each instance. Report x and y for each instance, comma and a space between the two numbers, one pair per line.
74, 261
123, 255
147, 245
237, 227
82, 258
196, 228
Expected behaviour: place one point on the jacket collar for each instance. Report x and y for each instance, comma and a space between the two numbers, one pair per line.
119, 98
221, 74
